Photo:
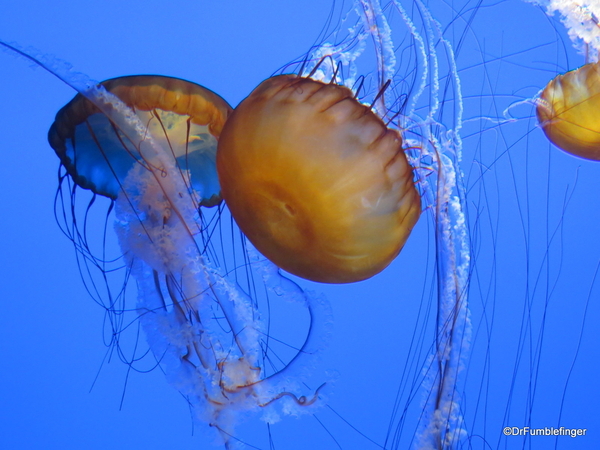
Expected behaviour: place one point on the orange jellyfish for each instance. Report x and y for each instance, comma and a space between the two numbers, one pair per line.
316, 180
569, 111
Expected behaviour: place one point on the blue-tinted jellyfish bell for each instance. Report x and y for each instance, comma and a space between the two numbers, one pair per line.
184, 117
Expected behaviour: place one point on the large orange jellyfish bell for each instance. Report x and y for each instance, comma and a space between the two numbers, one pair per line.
184, 118
569, 111
316, 180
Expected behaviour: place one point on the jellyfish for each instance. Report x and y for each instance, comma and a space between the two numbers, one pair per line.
527, 209
149, 144
567, 107
567, 111
316, 181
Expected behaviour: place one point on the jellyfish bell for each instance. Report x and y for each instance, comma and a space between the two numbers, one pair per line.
182, 116
316, 180
569, 111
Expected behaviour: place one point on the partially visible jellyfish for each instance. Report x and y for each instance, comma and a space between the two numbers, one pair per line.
568, 111
568, 106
